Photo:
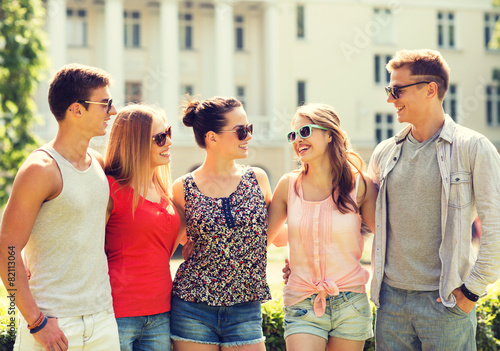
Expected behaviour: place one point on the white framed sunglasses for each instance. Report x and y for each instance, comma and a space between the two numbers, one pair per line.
304, 132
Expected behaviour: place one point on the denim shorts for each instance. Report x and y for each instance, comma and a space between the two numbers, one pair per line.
226, 326
347, 316
150, 333
414, 320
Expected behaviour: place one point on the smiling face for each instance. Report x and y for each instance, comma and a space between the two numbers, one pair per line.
410, 106
313, 147
95, 119
228, 141
160, 155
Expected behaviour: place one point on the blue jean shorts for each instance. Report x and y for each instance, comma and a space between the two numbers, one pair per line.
226, 326
347, 316
150, 333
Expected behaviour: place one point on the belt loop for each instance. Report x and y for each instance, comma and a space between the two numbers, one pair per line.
344, 295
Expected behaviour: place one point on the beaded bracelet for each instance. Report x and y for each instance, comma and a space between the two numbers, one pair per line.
40, 327
37, 322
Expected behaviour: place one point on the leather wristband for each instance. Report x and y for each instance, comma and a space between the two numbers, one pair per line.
469, 295
40, 327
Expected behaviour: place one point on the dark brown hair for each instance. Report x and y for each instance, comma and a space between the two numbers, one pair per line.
207, 115
74, 82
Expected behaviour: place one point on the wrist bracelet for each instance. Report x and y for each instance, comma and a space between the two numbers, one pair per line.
40, 327
469, 295
37, 322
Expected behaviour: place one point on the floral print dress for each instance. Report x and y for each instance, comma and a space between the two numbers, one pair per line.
228, 265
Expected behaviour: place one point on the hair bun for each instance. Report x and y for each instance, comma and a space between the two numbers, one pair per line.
190, 112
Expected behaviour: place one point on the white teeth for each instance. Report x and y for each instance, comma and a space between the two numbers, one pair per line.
302, 148
399, 108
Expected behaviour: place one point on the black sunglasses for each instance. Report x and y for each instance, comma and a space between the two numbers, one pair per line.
242, 131
304, 132
108, 104
161, 138
397, 90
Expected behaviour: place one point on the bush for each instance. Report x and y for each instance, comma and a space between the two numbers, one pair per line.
272, 325
7, 335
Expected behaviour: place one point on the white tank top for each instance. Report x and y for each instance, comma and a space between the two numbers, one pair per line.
65, 252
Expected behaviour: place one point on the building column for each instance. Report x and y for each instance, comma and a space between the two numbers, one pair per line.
56, 28
271, 55
224, 48
169, 57
57, 48
114, 49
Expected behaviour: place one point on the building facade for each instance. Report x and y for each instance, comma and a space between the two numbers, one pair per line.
274, 55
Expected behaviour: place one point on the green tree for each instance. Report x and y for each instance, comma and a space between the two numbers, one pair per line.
22, 61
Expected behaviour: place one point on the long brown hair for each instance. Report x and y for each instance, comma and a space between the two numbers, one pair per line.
128, 158
344, 160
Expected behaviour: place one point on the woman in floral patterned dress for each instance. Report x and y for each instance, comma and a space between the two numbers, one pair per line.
217, 292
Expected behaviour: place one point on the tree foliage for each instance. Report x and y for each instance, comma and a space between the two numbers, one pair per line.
22, 61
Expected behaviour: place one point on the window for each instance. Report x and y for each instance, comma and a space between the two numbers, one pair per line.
384, 126
186, 32
493, 105
240, 94
450, 102
301, 92
490, 22
301, 34
382, 76
187, 89
76, 27
383, 26
446, 30
132, 24
133, 92
239, 35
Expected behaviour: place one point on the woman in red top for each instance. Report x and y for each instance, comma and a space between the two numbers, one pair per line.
142, 228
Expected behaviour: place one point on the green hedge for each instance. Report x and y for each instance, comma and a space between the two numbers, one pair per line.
488, 326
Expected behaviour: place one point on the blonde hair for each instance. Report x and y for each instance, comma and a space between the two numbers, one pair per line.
344, 160
129, 148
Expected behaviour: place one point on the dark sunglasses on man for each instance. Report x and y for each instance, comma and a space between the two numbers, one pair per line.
242, 131
108, 104
161, 138
397, 90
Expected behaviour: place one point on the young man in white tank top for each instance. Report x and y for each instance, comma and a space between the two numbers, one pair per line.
56, 213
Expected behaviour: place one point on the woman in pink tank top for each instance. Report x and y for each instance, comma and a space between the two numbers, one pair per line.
324, 202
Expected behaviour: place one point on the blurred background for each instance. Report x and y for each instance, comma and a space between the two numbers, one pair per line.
274, 55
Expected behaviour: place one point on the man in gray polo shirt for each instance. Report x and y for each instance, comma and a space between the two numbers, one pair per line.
434, 177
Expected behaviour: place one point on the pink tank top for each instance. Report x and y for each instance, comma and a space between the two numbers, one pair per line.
325, 247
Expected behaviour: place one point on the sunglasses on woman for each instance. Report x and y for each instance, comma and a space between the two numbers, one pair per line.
108, 104
397, 90
242, 131
161, 138
304, 132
